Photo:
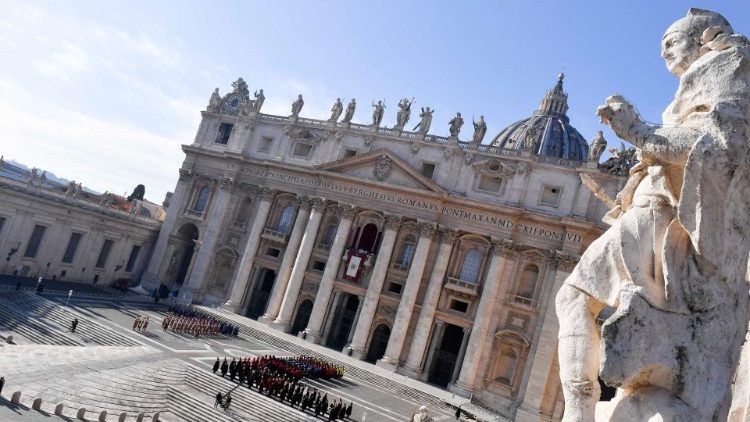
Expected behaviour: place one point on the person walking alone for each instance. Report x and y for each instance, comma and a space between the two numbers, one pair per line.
2, 384
73, 325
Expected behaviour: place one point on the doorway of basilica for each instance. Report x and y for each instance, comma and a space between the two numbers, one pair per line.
379, 343
343, 321
261, 293
444, 360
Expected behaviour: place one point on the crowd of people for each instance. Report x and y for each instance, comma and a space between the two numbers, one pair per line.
188, 320
282, 378
140, 323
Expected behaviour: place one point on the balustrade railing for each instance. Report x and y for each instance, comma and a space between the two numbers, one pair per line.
194, 213
274, 234
462, 286
523, 300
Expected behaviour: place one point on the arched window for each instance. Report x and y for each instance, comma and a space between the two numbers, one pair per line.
330, 232
407, 252
506, 366
471, 266
527, 284
286, 220
243, 211
202, 199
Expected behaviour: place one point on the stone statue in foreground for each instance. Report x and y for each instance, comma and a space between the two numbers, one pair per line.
674, 260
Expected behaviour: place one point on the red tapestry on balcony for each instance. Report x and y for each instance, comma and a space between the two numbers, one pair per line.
354, 263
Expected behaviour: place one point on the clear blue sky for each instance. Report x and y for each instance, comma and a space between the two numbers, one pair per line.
106, 92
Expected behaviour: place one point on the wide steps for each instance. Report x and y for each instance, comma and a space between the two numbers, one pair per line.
254, 405
189, 408
33, 330
353, 371
54, 312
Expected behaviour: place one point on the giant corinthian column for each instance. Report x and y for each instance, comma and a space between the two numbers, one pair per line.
284, 319
379, 271
290, 255
479, 331
315, 324
251, 248
414, 361
392, 355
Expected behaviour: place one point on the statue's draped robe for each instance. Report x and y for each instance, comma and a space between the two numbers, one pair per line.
679, 234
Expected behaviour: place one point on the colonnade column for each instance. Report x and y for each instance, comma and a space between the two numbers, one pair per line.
323, 296
335, 303
239, 285
151, 277
414, 363
392, 355
465, 384
284, 319
215, 217
372, 296
290, 256
360, 303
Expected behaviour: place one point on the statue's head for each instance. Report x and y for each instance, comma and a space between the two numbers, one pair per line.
680, 46
481, 118
458, 114
299, 96
423, 410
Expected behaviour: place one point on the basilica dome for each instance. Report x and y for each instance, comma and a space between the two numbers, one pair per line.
548, 131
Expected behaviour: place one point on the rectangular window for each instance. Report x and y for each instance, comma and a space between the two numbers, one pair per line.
70, 251
550, 196
459, 305
225, 129
273, 252
34, 241
319, 266
490, 184
302, 150
428, 170
104, 253
395, 288
133, 257
349, 153
265, 144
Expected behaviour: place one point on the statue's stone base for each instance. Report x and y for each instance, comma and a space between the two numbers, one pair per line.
651, 404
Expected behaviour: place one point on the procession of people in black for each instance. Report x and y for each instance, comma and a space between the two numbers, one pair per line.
281, 378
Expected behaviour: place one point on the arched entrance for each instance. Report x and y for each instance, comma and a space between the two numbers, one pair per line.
188, 234
378, 343
445, 356
261, 293
303, 316
343, 322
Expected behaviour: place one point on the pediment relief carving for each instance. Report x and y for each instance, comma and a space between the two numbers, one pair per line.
304, 134
496, 168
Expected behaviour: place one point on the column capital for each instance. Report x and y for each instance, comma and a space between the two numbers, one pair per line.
427, 229
304, 202
467, 330
439, 322
504, 247
345, 209
226, 183
565, 261
318, 204
449, 236
266, 194
392, 221
185, 174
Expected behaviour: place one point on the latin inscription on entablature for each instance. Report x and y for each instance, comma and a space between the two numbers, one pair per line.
409, 201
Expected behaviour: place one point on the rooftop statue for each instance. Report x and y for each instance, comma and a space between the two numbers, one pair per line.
214, 103
377, 113
404, 112
456, 124
259, 100
240, 88
349, 114
424, 125
480, 129
597, 147
336, 110
674, 261
297, 106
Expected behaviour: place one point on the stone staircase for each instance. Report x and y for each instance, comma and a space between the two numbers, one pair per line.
33, 330
247, 403
36, 308
353, 371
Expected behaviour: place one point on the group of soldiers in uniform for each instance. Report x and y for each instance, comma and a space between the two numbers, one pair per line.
281, 378
140, 323
186, 319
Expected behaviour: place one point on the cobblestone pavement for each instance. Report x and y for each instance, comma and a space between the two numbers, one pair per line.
106, 366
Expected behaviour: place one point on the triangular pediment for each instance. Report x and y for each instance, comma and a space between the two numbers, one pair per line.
382, 166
